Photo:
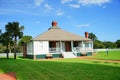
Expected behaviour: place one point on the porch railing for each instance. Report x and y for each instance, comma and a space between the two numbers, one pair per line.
54, 50
79, 49
75, 50
87, 49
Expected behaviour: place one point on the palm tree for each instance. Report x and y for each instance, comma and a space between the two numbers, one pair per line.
6, 40
92, 36
24, 40
0, 36
16, 32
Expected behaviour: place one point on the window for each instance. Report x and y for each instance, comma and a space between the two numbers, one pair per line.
75, 44
40, 45
87, 45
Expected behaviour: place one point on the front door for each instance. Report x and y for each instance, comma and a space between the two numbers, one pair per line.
52, 44
67, 46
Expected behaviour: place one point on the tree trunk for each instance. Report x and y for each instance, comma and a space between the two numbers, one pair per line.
15, 46
24, 50
7, 53
9, 48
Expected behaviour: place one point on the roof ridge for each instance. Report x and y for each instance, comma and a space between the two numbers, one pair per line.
54, 28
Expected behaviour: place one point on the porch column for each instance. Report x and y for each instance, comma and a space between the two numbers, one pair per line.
72, 45
91, 46
60, 46
82, 46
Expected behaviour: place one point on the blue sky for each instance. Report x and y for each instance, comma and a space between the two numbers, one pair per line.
101, 17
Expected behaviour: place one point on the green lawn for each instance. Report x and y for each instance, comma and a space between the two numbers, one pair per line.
112, 55
61, 69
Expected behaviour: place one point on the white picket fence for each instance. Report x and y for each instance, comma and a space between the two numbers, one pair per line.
97, 50
10, 54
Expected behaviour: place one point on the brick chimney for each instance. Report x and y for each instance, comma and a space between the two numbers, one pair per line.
54, 24
86, 34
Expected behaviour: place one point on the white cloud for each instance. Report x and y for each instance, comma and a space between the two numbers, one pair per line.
78, 3
59, 12
69, 17
17, 11
48, 7
90, 2
82, 25
37, 22
11, 11
74, 5
104, 7
65, 1
38, 2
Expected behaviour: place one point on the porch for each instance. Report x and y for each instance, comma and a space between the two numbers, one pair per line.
70, 49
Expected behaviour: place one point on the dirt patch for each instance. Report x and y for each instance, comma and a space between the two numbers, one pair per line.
8, 76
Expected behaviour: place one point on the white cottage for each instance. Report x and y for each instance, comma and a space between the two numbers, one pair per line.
58, 43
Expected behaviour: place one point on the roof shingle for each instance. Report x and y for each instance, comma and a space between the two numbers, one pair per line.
57, 34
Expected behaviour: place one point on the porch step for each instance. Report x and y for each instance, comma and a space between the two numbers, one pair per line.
68, 55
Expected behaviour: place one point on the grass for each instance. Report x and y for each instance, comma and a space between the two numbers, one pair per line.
61, 69
112, 55
64, 69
